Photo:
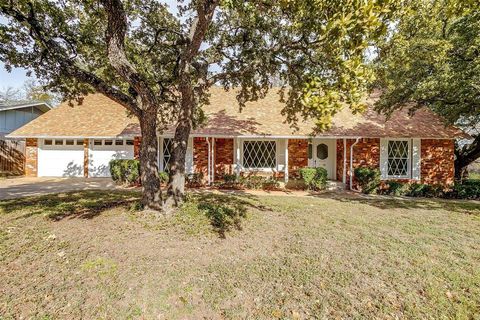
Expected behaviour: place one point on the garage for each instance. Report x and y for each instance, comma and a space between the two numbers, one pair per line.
101, 151
60, 158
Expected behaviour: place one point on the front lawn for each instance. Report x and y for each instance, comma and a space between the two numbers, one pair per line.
91, 255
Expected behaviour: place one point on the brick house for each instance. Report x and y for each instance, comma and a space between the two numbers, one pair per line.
80, 140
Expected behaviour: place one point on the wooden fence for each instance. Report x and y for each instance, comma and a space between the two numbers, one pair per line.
12, 157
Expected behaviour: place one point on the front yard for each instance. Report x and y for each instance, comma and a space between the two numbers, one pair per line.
91, 255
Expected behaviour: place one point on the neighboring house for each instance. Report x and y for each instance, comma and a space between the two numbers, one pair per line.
81, 140
14, 115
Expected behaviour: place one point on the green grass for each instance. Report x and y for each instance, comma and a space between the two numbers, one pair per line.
88, 254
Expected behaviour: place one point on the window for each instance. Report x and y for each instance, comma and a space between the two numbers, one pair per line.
48, 142
97, 142
69, 142
398, 158
79, 142
119, 142
58, 142
310, 151
322, 151
259, 154
167, 154
129, 142
108, 142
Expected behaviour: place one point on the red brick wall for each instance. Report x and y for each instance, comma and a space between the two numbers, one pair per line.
200, 156
366, 153
223, 157
136, 147
31, 157
437, 161
297, 156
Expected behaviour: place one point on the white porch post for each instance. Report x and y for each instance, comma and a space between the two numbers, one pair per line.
344, 176
237, 156
286, 160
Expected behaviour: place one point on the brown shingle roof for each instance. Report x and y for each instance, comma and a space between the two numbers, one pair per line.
98, 116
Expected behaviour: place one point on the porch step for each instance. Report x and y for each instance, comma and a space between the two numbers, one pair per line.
335, 186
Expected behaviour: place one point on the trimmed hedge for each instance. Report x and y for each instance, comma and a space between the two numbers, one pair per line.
368, 179
314, 178
467, 189
125, 171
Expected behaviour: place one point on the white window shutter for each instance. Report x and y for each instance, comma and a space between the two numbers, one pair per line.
280, 154
416, 159
189, 157
383, 158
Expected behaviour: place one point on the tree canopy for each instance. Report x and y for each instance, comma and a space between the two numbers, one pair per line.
431, 58
159, 65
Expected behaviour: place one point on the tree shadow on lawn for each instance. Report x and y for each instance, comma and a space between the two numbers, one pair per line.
225, 211
391, 202
79, 204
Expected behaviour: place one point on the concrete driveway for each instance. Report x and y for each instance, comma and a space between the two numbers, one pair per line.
23, 187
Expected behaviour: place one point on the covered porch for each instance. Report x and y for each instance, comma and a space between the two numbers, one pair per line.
278, 157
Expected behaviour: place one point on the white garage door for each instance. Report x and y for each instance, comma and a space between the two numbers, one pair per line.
60, 158
103, 150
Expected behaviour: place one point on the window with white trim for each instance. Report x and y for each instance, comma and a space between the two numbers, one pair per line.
167, 153
398, 160
259, 154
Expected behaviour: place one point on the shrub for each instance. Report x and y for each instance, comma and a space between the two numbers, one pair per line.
467, 189
194, 179
368, 179
229, 178
163, 176
125, 171
253, 182
315, 178
397, 188
270, 184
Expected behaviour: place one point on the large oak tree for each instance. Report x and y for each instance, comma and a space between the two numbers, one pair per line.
159, 65
432, 58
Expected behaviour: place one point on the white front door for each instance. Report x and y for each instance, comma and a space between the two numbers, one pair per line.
322, 153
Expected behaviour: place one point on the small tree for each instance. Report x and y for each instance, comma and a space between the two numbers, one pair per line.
159, 66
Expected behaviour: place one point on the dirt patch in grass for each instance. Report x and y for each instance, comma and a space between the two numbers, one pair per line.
88, 255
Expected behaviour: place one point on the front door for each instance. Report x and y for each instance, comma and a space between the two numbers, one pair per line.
322, 153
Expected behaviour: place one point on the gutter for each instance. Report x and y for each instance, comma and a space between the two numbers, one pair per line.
351, 163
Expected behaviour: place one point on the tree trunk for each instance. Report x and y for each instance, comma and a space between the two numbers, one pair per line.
152, 194
465, 156
176, 184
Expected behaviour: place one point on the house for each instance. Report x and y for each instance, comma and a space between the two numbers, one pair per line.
13, 115
80, 140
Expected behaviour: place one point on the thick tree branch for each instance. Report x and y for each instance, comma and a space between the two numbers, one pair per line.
68, 66
116, 31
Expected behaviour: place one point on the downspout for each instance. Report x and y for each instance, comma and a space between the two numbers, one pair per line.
208, 165
213, 161
351, 162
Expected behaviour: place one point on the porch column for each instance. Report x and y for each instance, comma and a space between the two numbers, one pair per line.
236, 153
286, 161
85, 158
344, 171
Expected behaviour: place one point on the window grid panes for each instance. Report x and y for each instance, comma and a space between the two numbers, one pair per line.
259, 154
167, 154
398, 157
